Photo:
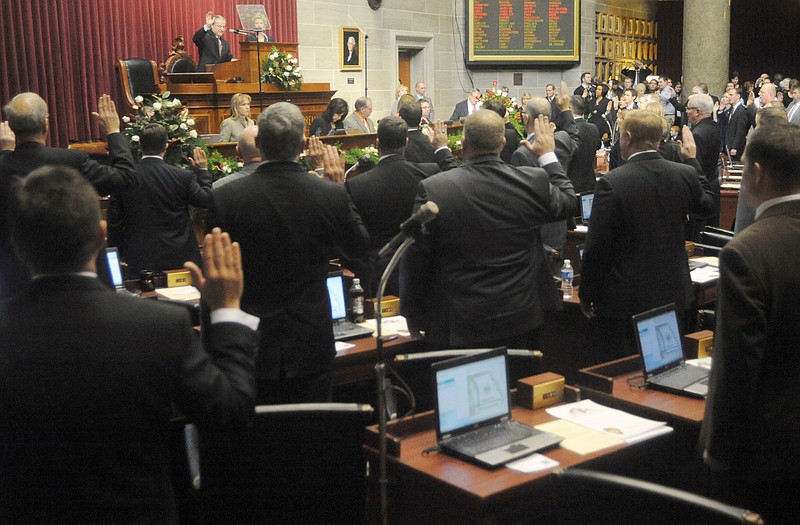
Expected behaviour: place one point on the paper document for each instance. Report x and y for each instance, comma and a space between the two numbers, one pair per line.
390, 325
534, 463
341, 345
179, 293
577, 438
704, 274
609, 421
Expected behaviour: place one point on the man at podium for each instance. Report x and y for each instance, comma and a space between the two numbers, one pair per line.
213, 48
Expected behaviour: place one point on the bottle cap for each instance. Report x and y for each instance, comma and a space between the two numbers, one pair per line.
356, 280
566, 261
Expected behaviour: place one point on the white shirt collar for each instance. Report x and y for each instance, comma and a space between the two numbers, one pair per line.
777, 200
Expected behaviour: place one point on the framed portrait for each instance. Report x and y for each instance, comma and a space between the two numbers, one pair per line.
351, 44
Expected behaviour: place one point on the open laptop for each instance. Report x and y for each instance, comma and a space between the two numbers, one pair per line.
115, 272
586, 200
473, 411
343, 329
659, 342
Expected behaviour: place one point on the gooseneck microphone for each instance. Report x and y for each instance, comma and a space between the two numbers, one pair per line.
411, 226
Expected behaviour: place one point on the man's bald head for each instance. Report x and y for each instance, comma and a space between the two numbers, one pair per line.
27, 115
537, 106
484, 134
247, 147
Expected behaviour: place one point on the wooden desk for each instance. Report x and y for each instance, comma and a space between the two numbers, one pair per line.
440, 489
624, 376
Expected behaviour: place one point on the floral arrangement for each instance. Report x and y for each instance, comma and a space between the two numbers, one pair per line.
221, 166
513, 110
174, 116
281, 69
454, 142
369, 155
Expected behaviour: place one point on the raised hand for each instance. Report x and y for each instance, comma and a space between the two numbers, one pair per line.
106, 115
223, 282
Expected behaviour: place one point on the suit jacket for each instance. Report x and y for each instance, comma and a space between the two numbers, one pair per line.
254, 38
354, 122
642, 73
512, 142
793, 113
581, 167
289, 224
119, 176
479, 271
706, 136
461, 111
351, 59
419, 148
151, 223
754, 394
736, 133
634, 257
384, 197
206, 42
88, 379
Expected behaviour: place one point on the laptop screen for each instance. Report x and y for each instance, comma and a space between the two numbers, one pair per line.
471, 390
336, 296
114, 269
587, 198
659, 339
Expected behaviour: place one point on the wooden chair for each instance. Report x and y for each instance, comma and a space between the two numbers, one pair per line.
137, 76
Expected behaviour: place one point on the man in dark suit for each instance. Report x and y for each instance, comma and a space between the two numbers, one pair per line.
151, 223
290, 223
212, 47
581, 167
512, 135
384, 196
635, 257
637, 72
699, 110
351, 52
478, 276
467, 107
419, 148
566, 140
28, 118
88, 377
738, 124
752, 414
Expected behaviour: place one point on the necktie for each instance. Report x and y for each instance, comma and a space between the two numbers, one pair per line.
474, 108
219, 46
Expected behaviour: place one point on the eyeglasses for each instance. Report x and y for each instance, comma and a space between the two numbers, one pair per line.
688, 108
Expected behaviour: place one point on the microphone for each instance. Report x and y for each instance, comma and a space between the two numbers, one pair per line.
240, 31
411, 227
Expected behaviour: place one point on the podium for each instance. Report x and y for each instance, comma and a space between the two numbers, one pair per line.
209, 100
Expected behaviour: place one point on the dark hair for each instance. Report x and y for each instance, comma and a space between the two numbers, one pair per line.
281, 132
335, 106
153, 139
411, 112
392, 135
496, 106
776, 147
54, 220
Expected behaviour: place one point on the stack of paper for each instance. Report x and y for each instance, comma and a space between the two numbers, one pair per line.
610, 422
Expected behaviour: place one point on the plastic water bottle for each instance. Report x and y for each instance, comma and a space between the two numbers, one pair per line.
356, 302
566, 279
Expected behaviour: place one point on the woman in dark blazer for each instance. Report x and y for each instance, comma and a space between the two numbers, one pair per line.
332, 118
600, 113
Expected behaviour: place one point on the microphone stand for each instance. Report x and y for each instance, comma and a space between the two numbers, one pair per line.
366, 48
380, 377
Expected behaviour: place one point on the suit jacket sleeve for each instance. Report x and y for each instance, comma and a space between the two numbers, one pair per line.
416, 276
120, 175
703, 203
216, 386
741, 339
199, 36
597, 256
350, 234
563, 201
199, 190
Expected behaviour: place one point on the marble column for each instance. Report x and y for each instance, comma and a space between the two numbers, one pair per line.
706, 43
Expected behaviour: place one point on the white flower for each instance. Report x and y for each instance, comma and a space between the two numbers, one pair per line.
193, 134
293, 61
240, 164
183, 126
297, 69
176, 103
496, 91
288, 68
513, 99
226, 169
126, 119
504, 93
273, 56
190, 122
139, 99
286, 74
458, 143
157, 106
135, 138
289, 56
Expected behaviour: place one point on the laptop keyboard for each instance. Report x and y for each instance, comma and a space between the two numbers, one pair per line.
488, 438
682, 376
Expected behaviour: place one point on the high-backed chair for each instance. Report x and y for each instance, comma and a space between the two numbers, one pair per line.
137, 76
300, 463
586, 496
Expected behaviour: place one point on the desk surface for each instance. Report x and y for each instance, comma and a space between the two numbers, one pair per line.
438, 488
